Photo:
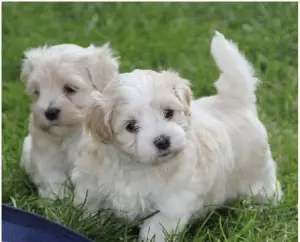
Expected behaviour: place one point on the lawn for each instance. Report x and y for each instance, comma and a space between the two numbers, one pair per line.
157, 36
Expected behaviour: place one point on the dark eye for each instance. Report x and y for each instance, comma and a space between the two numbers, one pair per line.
169, 113
36, 93
132, 126
69, 90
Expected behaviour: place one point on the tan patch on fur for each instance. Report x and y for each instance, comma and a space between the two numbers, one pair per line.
97, 125
188, 97
185, 98
181, 87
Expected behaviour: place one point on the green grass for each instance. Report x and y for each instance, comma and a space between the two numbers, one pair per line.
156, 36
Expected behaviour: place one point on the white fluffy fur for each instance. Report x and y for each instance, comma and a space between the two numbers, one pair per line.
219, 148
50, 147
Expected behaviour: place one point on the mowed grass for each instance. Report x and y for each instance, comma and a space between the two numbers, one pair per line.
158, 36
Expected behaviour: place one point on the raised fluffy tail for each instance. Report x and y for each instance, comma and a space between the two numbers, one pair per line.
237, 81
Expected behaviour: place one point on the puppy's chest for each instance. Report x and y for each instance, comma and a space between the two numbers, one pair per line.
57, 154
132, 198
138, 196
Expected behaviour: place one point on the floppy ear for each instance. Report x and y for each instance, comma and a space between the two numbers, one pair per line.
182, 90
31, 58
185, 94
98, 120
103, 66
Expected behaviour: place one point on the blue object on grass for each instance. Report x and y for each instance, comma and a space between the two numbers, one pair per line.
21, 226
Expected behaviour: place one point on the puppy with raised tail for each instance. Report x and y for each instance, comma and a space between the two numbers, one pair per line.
60, 79
151, 148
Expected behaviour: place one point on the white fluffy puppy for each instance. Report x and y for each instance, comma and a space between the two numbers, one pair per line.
155, 149
60, 79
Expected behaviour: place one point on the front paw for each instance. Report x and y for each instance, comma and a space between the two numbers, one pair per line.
159, 227
54, 193
152, 234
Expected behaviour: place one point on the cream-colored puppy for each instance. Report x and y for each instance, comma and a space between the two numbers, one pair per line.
60, 79
156, 150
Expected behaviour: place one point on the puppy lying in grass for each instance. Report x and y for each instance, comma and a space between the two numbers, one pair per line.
152, 148
60, 79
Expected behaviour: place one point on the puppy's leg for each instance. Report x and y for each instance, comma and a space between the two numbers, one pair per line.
52, 175
26, 153
42, 170
88, 202
268, 188
175, 212
55, 186
159, 224
85, 194
263, 184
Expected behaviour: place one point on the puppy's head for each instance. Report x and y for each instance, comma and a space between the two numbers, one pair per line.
61, 78
145, 114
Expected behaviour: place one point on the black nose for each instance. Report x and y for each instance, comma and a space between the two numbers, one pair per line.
162, 142
52, 113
